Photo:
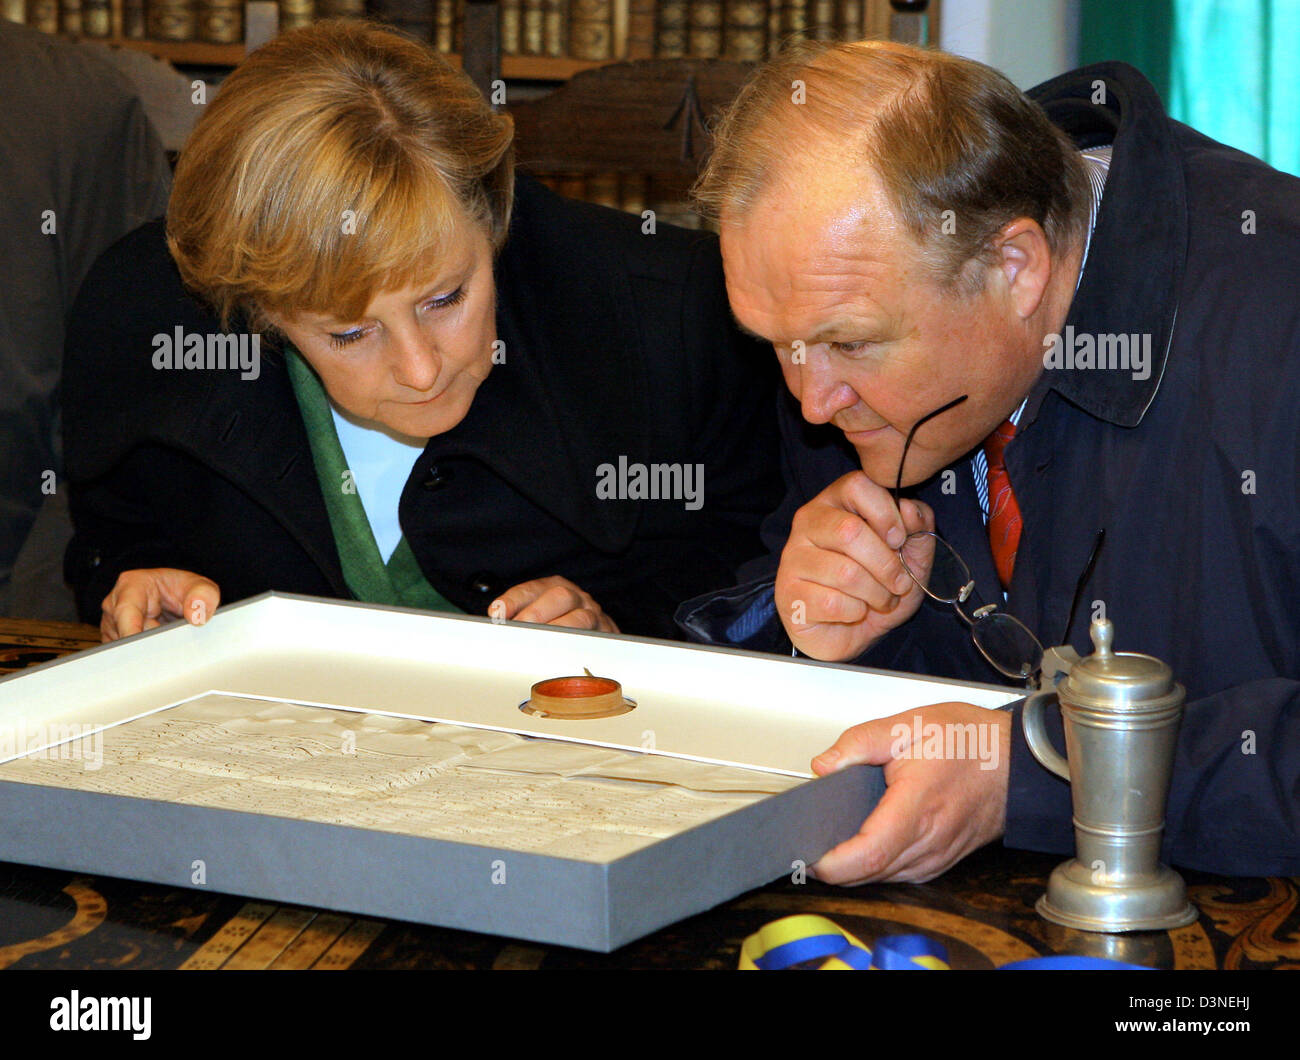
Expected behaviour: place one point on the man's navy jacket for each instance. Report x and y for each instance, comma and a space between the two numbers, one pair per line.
1194, 472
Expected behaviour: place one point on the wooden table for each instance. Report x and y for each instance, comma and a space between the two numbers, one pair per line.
982, 911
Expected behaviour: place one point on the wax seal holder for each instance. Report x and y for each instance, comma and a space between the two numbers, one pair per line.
1121, 712
584, 697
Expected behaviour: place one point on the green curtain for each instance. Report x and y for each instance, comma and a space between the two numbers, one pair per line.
1225, 67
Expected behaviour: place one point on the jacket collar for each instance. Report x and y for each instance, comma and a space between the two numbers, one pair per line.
570, 393
256, 428
1139, 245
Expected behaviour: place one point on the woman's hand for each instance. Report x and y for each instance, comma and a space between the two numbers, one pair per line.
143, 599
554, 601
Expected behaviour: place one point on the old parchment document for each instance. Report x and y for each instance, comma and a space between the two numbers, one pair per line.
418, 778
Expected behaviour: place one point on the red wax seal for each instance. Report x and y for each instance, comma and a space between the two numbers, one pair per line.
578, 697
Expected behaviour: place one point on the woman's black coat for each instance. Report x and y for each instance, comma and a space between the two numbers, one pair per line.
618, 344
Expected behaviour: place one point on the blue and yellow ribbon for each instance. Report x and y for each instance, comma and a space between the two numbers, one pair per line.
800, 939
806, 938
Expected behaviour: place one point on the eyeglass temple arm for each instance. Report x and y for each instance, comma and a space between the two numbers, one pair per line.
1082, 583
907, 442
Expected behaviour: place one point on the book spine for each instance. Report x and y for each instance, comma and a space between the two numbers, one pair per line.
821, 19
97, 18
220, 21
512, 17
704, 37
533, 28
415, 18
602, 188
555, 17
641, 20
296, 13
172, 20
876, 16
444, 25
133, 19
850, 19
632, 193
774, 32
794, 19
340, 9
745, 34
70, 17
43, 15
591, 26
670, 41
571, 185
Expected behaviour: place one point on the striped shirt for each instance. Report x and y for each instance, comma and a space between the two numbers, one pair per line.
1097, 163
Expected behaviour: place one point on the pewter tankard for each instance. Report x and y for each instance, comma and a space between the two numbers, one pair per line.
1121, 713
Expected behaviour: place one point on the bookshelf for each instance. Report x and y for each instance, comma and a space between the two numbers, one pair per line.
199, 53
637, 29
181, 53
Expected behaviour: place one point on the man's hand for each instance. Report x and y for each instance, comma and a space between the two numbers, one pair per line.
935, 811
143, 599
840, 584
554, 601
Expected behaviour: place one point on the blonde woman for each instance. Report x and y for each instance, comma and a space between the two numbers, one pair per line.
364, 359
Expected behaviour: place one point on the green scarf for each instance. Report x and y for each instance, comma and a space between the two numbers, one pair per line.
398, 582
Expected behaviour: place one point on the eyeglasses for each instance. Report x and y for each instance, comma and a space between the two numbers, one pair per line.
1002, 639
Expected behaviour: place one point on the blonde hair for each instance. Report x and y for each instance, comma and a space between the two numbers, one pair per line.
337, 161
940, 132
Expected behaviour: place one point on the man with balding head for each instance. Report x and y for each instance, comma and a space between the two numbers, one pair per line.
1065, 325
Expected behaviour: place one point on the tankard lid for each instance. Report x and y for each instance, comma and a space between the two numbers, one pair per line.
1120, 680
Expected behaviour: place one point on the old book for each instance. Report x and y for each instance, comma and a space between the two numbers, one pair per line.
591, 29
96, 18
774, 31
571, 185
850, 19
632, 192
794, 19
555, 17
876, 16
340, 8
821, 19
221, 21
296, 13
43, 15
602, 188
531, 36
133, 19
444, 25
415, 18
641, 29
70, 17
744, 36
704, 34
671, 35
170, 20
512, 15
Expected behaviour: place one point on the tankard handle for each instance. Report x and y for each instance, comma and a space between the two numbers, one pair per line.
1036, 735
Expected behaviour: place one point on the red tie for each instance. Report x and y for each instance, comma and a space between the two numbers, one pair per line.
1004, 512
